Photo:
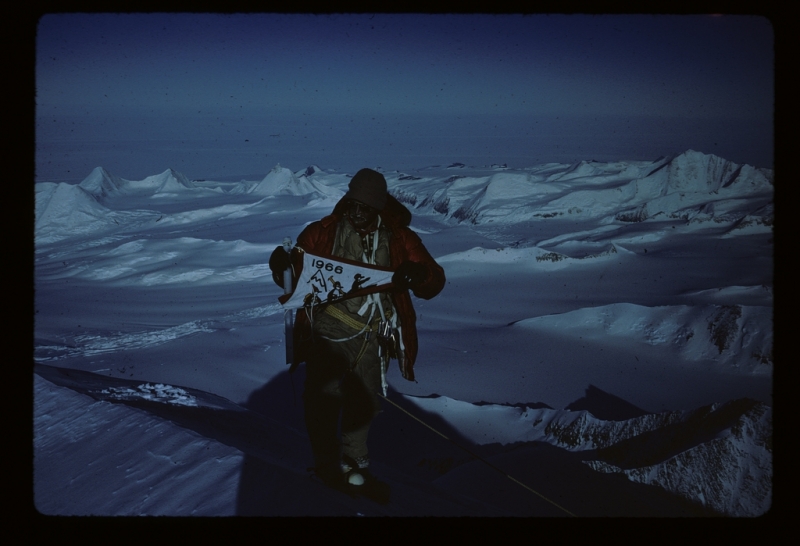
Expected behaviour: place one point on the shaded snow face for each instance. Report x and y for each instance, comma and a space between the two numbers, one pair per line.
648, 281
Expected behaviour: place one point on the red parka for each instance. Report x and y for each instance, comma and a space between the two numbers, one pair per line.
404, 244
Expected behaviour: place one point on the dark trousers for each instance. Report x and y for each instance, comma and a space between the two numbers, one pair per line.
341, 394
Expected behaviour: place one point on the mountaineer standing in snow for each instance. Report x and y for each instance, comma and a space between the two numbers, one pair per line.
346, 356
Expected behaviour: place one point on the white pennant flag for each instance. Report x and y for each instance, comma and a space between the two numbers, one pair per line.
326, 279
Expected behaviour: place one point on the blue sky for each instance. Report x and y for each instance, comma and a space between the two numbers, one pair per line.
217, 94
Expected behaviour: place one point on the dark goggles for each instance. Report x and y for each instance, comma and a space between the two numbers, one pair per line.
357, 206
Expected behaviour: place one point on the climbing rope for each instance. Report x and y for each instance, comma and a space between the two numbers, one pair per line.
512, 478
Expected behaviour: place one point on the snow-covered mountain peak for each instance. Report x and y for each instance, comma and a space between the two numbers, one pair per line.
65, 210
101, 183
694, 171
282, 181
169, 180
308, 171
278, 180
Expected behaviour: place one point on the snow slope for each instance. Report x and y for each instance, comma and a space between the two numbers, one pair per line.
282, 181
600, 321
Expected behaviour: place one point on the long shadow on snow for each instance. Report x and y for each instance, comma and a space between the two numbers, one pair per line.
559, 477
454, 465
606, 406
216, 417
429, 475
596, 401
272, 449
656, 446
413, 493
273, 479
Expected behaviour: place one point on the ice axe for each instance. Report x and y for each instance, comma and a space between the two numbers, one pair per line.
288, 314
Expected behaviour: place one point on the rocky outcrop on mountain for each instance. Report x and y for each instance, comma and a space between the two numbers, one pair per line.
719, 456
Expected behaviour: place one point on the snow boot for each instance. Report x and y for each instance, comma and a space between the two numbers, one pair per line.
361, 482
330, 476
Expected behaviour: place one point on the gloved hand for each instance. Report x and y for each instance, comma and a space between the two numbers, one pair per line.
405, 370
409, 275
279, 261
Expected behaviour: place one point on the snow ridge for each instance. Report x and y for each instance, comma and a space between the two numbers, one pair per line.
719, 455
101, 183
733, 335
282, 181
688, 186
731, 471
